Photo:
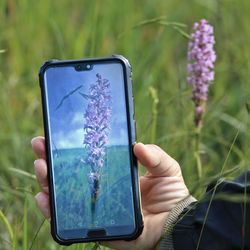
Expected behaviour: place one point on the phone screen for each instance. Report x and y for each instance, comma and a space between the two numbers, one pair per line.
89, 149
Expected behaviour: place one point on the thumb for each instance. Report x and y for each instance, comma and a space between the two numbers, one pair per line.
156, 161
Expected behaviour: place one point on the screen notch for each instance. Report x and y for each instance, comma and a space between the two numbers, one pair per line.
83, 66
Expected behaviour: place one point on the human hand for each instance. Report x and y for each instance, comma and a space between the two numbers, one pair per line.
162, 187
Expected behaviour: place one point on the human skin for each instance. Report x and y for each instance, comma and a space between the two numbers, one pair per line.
162, 187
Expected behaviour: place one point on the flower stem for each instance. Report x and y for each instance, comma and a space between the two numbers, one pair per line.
197, 151
154, 95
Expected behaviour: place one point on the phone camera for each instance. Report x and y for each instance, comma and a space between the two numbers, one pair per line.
79, 67
88, 66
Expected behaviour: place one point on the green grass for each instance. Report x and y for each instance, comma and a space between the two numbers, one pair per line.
152, 35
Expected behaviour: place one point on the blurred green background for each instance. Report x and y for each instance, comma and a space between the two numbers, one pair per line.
144, 31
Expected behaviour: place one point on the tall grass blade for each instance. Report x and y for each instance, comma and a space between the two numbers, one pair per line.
23, 172
204, 181
235, 123
176, 27
36, 234
154, 95
248, 107
246, 196
14, 241
7, 225
158, 21
25, 224
215, 188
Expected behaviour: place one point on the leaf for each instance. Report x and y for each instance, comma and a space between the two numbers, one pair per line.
36, 234
85, 96
248, 107
149, 21
22, 172
204, 181
160, 21
25, 224
96, 246
5, 221
24, 190
237, 198
235, 123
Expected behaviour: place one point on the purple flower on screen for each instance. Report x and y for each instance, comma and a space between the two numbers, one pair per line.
97, 126
201, 59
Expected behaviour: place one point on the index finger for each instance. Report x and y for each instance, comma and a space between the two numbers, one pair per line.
38, 145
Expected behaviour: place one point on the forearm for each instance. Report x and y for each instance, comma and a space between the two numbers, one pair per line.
220, 223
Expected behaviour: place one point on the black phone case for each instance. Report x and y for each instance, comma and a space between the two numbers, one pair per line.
132, 132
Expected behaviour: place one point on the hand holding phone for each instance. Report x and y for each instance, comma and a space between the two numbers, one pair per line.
161, 188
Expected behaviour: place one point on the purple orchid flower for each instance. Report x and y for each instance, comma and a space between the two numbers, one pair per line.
201, 59
97, 127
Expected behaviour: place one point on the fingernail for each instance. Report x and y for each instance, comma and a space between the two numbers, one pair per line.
32, 140
35, 161
37, 196
141, 143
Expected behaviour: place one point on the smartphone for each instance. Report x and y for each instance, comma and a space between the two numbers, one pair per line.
90, 131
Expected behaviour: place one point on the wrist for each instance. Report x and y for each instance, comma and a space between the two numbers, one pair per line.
166, 241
